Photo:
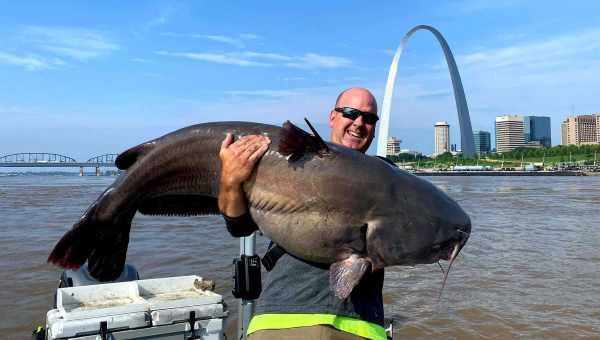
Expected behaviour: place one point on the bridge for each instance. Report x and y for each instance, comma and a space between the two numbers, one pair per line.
53, 160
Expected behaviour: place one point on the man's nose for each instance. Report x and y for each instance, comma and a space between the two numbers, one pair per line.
359, 121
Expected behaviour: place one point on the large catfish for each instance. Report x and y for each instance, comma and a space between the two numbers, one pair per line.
320, 201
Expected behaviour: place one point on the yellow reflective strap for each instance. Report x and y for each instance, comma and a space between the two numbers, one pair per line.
349, 325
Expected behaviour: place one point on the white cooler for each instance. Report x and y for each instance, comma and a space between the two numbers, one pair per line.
156, 308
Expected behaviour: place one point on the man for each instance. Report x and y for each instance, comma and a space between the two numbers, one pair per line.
296, 302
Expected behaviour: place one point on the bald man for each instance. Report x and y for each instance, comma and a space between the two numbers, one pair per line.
296, 302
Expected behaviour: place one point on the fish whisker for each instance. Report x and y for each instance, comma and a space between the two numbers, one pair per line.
452, 258
441, 268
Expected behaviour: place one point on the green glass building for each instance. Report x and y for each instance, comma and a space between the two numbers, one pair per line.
482, 142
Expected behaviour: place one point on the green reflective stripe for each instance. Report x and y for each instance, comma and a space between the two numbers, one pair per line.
350, 325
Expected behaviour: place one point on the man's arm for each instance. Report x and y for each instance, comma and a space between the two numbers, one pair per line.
238, 160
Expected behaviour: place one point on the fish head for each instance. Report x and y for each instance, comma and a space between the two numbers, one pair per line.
422, 225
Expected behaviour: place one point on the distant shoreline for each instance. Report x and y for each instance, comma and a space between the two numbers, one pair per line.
489, 173
505, 173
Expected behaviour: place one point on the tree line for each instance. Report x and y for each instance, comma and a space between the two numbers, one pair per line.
560, 150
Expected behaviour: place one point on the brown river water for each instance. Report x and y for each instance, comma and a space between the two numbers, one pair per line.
531, 269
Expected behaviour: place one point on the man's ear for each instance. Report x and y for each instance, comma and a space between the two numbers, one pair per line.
331, 118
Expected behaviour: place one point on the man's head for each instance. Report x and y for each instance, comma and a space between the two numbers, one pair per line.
356, 133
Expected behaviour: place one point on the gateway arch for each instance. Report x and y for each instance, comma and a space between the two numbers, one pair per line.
466, 133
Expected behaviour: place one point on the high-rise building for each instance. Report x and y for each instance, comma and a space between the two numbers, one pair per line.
442, 138
564, 132
537, 129
482, 142
578, 130
509, 133
597, 127
393, 146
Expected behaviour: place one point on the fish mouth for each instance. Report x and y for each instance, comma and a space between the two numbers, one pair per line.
449, 249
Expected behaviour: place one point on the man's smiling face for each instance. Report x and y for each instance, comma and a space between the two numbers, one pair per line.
354, 134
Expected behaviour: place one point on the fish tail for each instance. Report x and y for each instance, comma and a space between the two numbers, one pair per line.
74, 248
102, 243
107, 258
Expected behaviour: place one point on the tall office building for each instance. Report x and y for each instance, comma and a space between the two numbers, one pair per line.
537, 129
442, 138
564, 132
393, 146
578, 130
597, 127
509, 133
482, 142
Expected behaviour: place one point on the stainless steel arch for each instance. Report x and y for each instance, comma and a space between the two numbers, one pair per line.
466, 133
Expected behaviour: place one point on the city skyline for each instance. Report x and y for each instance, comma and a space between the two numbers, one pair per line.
533, 131
82, 79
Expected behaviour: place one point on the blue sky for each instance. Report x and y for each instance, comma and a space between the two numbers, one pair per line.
83, 79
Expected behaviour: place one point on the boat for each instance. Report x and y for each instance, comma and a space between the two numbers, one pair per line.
183, 307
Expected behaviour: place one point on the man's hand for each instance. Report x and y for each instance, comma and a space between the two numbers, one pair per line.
237, 163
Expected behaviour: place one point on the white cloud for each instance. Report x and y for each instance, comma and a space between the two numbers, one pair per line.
235, 41
76, 43
214, 58
250, 36
271, 56
313, 60
293, 78
224, 39
265, 93
560, 50
254, 59
29, 62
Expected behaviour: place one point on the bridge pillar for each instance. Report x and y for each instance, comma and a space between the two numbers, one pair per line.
97, 171
80, 171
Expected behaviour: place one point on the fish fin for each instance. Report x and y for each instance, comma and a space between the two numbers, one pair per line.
180, 205
345, 275
317, 135
296, 142
128, 157
73, 249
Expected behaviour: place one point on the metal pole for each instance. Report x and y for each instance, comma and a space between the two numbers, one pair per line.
521, 161
246, 307
544, 161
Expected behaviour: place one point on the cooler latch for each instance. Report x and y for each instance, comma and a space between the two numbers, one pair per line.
192, 322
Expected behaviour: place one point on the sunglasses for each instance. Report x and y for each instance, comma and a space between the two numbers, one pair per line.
352, 113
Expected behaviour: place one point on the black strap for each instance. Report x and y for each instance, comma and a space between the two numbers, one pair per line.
240, 226
103, 330
271, 256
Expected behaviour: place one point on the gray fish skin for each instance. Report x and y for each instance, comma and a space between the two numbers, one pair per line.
317, 211
326, 206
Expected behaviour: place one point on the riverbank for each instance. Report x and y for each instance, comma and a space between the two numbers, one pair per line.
504, 173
